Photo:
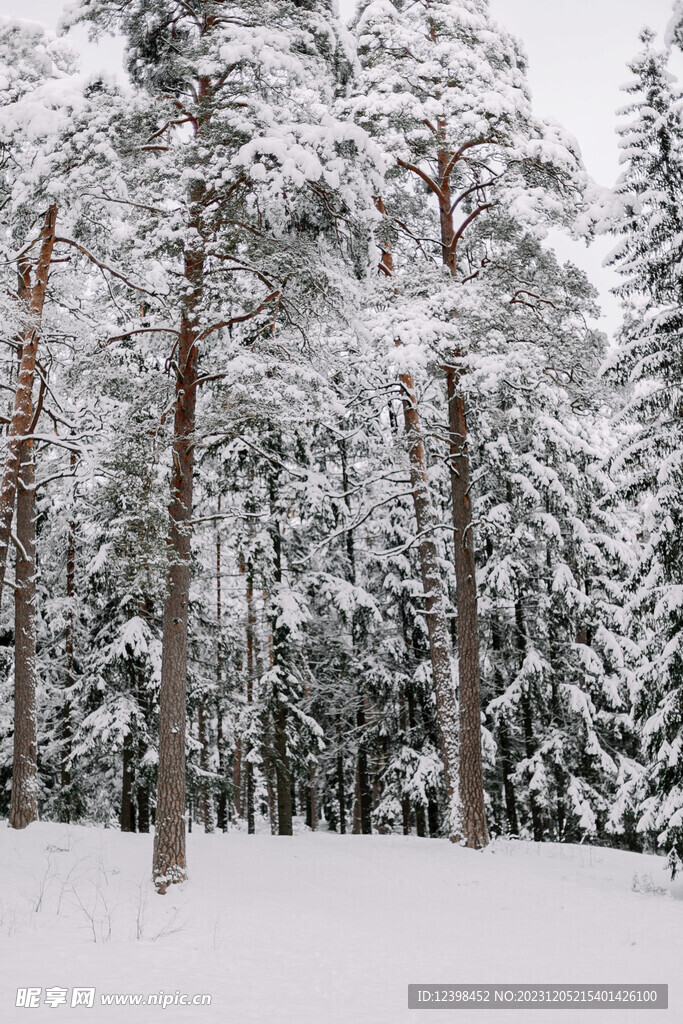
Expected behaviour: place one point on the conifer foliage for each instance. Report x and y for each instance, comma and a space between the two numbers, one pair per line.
324, 502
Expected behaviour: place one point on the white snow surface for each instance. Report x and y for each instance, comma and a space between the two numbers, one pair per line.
324, 928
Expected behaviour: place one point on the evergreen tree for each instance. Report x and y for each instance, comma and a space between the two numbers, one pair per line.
648, 362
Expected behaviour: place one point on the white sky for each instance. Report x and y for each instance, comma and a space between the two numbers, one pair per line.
578, 50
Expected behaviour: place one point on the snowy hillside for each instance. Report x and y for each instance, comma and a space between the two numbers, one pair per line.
319, 928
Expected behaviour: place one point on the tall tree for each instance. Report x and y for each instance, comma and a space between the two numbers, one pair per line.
446, 95
645, 210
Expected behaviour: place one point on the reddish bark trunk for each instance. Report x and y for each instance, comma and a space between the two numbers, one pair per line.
432, 584
22, 412
475, 832
24, 802
170, 864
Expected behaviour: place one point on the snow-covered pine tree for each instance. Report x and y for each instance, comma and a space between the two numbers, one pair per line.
445, 93
241, 97
648, 362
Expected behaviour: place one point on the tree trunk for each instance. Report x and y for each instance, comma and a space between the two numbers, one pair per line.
170, 862
222, 809
527, 719
437, 622
504, 745
142, 794
237, 779
270, 788
127, 804
471, 773
251, 673
341, 790
205, 799
313, 798
283, 775
283, 771
364, 784
22, 412
475, 832
65, 804
24, 801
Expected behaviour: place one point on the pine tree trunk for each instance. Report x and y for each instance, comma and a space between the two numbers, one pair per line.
313, 798
283, 772
251, 673
22, 412
364, 784
65, 803
475, 832
437, 623
341, 790
527, 720
471, 773
205, 799
24, 801
127, 805
222, 809
170, 862
237, 779
270, 788
142, 794
432, 584
504, 745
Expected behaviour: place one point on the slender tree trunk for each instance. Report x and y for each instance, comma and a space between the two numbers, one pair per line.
364, 780
341, 790
504, 745
142, 794
22, 412
527, 720
24, 802
471, 772
251, 674
313, 798
237, 779
475, 832
437, 622
170, 863
127, 803
65, 804
364, 784
205, 799
270, 788
283, 771
222, 816
283, 775
356, 820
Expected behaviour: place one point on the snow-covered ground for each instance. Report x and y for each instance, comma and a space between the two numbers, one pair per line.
321, 928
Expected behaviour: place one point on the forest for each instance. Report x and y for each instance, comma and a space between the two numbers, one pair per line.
325, 501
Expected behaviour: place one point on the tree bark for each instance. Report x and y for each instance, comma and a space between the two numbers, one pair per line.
437, 622
527, 720
471, 772
283, 771
65, 804
222, 809
506, 760
475, 832
205, 798
22, 413
341, 789
170, 863
24, 801
127, 800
